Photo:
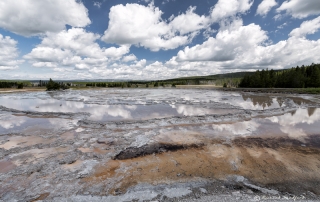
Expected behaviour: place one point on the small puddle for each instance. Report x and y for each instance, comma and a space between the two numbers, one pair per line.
301, 100
301, 123
261, 102
134, 104
117, 112
27, 125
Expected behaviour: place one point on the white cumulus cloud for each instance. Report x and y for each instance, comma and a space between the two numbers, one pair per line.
97, 4
116, 53
307, 27
189, 22
8, 53
29, 17
239, 47
143, 26
129, 58
224, 9
228, 44
300, 8
74, 48
265, 6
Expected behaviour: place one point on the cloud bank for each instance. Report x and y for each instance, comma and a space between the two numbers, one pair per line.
300, 8
131, 44
143, 26
30, 17
8, 53
265, 6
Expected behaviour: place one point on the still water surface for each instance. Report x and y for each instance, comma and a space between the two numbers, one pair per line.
143, 104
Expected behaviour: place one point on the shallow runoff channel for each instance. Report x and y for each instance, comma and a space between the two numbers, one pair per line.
158, 144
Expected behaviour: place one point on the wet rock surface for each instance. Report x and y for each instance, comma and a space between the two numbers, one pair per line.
259, 147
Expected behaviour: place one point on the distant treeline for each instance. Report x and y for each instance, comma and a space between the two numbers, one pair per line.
231, 82
5, 84
229, 79
51, 85
296, 77
109, 85
42, 83
136, 84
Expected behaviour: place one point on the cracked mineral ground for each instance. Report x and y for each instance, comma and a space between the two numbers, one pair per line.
159, 145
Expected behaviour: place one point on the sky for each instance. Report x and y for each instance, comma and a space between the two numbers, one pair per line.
151, 40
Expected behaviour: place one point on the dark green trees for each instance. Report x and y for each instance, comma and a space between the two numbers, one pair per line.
20, 86
52, 85
313, 74
296, 77
5, 84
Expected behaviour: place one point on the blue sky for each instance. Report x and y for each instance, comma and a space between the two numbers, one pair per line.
144, 39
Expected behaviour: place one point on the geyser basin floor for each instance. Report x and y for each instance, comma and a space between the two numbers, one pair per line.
123, 145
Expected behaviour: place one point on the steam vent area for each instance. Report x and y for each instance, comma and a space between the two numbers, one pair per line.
159, 145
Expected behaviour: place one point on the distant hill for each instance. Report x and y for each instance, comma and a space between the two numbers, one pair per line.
213, 77
217, 79
85, 80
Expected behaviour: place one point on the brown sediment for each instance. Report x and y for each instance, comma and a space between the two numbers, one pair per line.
72, 166
118, 130
99, 151
181, 138
68, 135
85, 150
261, 161
107, 170
42, 197
6, 166
94, 150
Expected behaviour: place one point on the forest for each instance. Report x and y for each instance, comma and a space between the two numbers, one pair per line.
296, 77
8, 84
5, 84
